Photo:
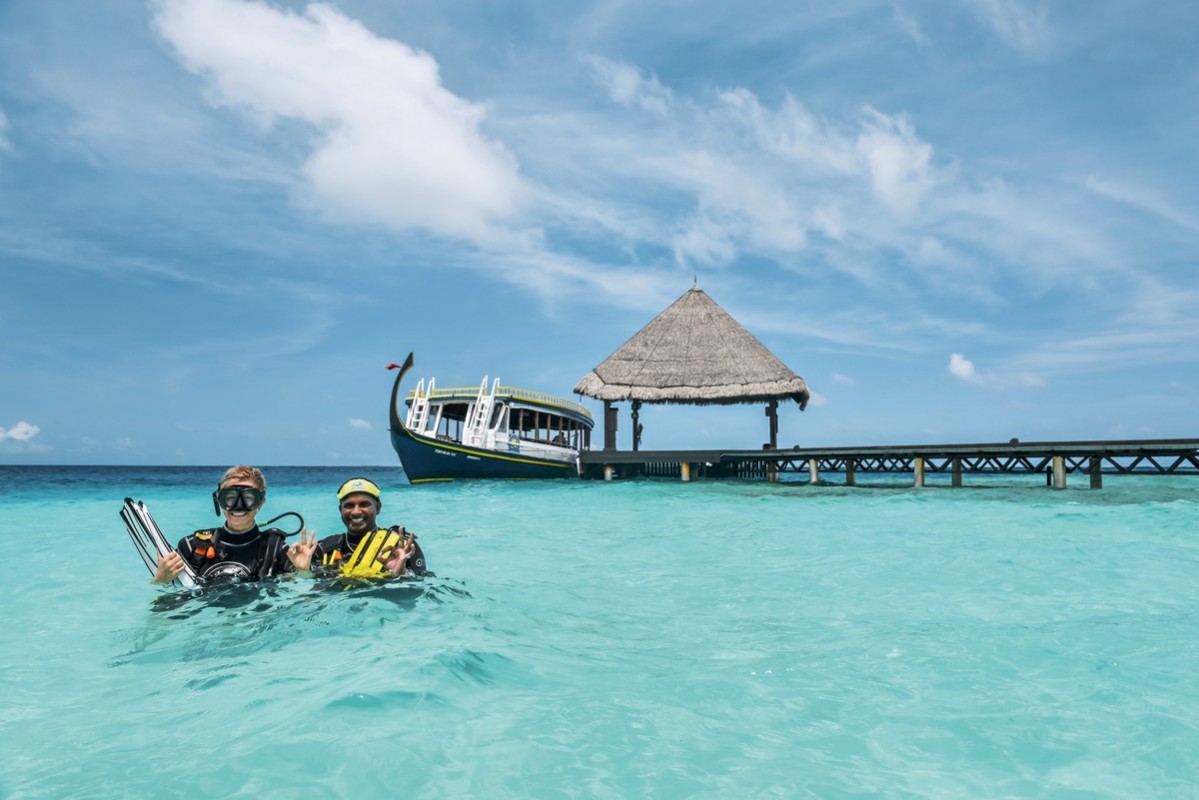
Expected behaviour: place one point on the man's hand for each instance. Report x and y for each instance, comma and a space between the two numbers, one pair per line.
395, 559
300, 553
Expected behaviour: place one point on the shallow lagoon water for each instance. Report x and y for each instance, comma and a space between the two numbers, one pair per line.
631, 639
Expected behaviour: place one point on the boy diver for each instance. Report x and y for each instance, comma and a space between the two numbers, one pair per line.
364, 550
238, 549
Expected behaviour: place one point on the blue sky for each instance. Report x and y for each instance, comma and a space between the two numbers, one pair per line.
958, 221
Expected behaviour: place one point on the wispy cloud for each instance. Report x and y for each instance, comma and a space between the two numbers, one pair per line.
5, 144
1141, 198
360, 424
610, 206
763, 178
393, 145
910, 26
1129, 347
627, 86
1020, 25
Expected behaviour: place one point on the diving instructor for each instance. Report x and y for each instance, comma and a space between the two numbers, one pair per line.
360, 501
238, 549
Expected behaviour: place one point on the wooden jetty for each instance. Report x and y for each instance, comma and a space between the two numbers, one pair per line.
1055, 460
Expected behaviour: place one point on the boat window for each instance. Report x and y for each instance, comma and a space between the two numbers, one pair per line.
499, 418
449, 424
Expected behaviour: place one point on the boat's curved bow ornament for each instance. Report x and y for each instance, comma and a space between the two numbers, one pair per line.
396, 422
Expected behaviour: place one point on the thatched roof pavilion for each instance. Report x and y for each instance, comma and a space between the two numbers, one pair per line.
692, 353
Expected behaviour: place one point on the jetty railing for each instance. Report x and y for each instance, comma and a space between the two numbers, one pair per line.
1055, 460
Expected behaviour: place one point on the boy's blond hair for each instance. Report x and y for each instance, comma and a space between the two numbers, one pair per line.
244, 473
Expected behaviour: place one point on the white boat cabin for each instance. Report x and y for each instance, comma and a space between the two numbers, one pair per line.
500, 419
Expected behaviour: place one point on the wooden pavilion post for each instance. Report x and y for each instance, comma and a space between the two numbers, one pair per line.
636, 425
610, 419
772, 411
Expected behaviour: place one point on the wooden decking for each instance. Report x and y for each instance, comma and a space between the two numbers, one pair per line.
1055, 460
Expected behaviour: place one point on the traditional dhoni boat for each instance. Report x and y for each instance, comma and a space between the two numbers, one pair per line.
488, 431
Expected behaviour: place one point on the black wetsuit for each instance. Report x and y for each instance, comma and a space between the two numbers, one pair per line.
333, 549
220, 554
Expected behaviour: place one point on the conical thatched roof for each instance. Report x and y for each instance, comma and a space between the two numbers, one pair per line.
693, 353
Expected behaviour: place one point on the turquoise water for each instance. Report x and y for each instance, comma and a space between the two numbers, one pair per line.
641, 639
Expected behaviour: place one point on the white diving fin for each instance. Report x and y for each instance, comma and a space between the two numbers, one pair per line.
149, 541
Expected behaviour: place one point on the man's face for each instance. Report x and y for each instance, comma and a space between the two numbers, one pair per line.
358, 512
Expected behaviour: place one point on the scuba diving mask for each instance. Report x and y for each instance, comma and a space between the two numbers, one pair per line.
237, 498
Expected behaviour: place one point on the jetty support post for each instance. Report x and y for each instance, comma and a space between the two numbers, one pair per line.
1096, 472
814, 470
608, 472
1059, 472
769, 465
957, 473
850, 472
685, 471
918, 478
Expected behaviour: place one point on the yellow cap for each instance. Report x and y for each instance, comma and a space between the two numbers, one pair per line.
356, 485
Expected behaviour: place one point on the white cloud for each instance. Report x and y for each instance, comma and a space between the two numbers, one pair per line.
394, 145
21, 432
963, 368
845, 380
361, 424
124, 443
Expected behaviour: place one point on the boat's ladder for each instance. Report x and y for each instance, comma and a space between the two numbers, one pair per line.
480, 414
418, 412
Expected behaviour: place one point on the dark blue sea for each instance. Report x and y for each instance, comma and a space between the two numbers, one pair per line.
648, 639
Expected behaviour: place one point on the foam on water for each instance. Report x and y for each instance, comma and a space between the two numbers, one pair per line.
649, 639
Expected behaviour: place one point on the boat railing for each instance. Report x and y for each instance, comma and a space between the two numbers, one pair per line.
545, 399
467, 392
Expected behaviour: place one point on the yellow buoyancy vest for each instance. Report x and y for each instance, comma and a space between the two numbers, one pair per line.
364, 561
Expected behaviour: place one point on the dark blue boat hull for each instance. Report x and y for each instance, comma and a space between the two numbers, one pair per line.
426, 460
